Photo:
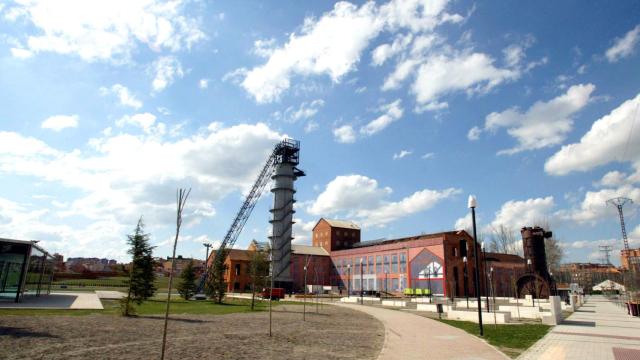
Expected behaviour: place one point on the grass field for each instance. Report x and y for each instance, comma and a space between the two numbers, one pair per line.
157, 306
510, 339
104, 283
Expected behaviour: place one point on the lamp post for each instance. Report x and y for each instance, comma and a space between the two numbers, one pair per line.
472, 203
349, 280
533, 298
429, 282
386, 272
361, 283
483, 249
466, 288
304, 297
493, 295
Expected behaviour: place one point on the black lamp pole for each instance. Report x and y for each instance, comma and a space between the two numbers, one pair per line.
466, 277
472, 205
349, 280
361, 284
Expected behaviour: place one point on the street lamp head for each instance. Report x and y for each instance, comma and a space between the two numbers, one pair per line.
491, 269
482, 246
528, 261
472, 202
464, 259
305, 268
348, 266
360, 261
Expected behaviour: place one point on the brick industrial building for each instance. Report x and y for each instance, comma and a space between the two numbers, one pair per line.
430, 262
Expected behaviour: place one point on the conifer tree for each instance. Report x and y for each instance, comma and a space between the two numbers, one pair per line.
142, 277
187, 287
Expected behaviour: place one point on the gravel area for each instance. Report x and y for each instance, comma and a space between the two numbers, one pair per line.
335, 333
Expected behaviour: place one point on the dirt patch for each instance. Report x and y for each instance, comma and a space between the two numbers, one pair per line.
334, 333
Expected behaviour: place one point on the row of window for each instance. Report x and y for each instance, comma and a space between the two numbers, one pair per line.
338, 233
389, 264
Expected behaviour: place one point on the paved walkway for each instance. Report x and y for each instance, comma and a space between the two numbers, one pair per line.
57, 300
598, 330
412, 337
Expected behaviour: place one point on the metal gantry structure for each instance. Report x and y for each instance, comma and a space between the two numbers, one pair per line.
619, 203
285, 152
606, 253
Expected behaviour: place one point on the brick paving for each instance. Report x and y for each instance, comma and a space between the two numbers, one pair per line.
600, 330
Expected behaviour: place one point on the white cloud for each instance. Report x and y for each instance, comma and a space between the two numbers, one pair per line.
123, 176
21, 53
264, 47
474, 133
145, 121
613, 178
107, 30
166, 69
516, 214
60, 122
360, 198
344, 134
402, 154
203, 83
544, 124
392, 112
609, 139
333, 43
443, 74
464, 222
594, 207
311, 126
306, 110
123, 94
385, 51
624, 46
302, 231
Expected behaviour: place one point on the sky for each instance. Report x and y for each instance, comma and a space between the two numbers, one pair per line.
403, 109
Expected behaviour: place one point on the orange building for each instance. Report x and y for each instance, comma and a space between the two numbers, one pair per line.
630, 257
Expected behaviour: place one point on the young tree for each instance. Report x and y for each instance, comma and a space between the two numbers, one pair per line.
258, 270
216, 287
141, 275
552, 247
187, 286
504, 240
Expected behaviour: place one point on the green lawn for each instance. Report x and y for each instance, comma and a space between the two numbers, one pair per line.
104, 283
510, 339
154, 307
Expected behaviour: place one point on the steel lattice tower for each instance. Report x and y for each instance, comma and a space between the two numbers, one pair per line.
619, 202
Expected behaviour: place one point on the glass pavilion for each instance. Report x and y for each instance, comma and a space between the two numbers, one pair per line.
25, 269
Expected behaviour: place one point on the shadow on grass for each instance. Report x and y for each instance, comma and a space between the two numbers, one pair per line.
22, 333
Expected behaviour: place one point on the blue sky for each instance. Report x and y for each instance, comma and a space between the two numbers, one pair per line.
403, 109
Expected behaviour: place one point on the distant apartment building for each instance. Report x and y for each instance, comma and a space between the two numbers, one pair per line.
81, 264
586, 275
180, 264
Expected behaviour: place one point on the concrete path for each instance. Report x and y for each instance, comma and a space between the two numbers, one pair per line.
62, 300
413, 337
110, 295
598, 330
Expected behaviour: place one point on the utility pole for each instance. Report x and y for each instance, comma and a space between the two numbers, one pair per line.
619, 202
606, 254
207, 245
